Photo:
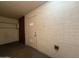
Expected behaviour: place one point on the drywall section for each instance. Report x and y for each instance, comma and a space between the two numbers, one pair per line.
53, 29
8, 30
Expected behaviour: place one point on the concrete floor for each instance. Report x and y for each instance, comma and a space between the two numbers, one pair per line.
17, 50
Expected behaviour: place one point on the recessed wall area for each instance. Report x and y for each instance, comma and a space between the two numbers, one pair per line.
53, 29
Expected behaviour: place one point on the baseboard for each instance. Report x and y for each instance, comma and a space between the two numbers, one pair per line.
9, 43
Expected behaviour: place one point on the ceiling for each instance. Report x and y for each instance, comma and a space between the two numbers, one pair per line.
16, 9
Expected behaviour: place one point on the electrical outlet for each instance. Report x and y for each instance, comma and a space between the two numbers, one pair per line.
56, 47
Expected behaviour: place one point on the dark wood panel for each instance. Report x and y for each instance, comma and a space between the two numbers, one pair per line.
21, 30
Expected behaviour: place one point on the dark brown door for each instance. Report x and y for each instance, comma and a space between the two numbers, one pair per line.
21, 30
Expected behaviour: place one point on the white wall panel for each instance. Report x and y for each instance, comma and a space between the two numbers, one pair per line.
55, 23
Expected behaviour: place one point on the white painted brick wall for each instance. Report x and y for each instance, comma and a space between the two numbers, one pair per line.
56, 23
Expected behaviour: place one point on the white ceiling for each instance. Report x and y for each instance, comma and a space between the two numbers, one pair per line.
16, 9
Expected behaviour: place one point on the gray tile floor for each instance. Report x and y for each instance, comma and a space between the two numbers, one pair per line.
17, 50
